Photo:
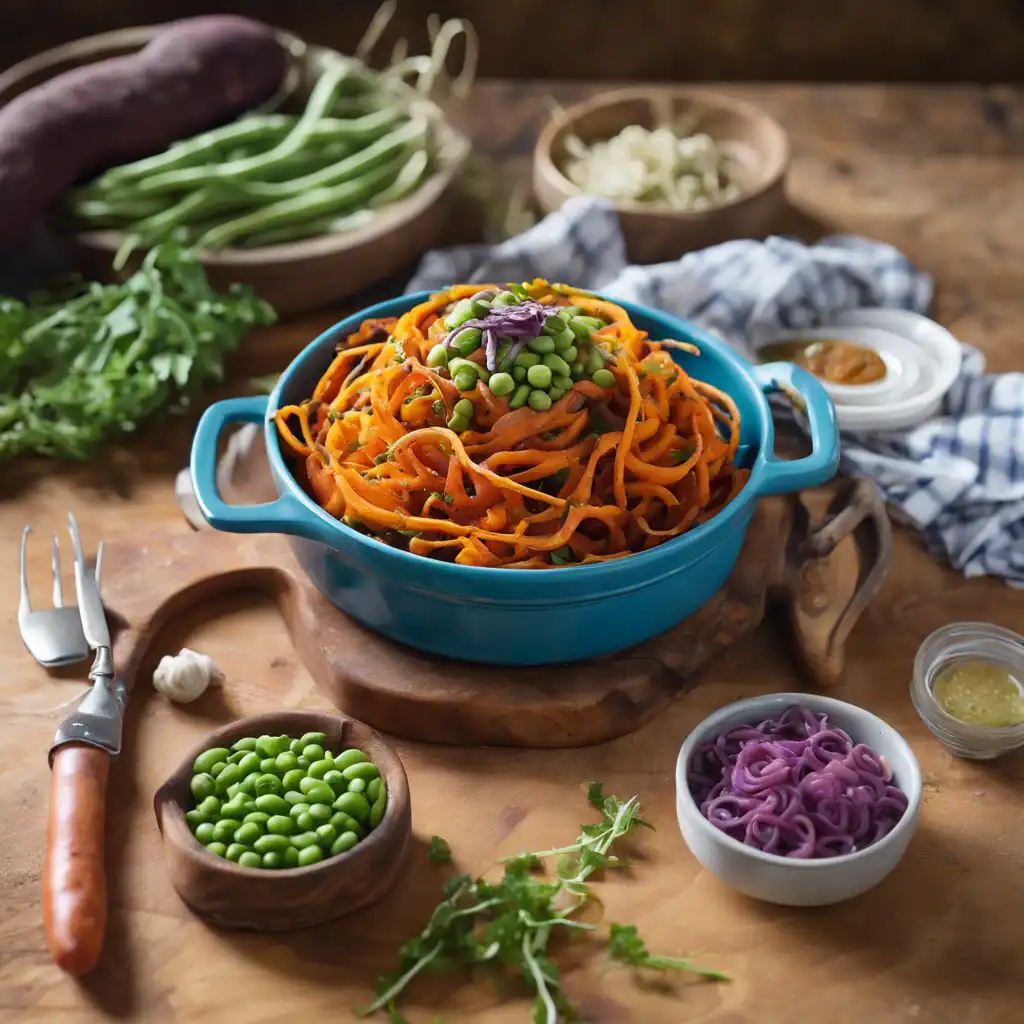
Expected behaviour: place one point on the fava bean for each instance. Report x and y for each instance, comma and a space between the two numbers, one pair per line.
326, 834
281, 825
373, 789
310, 855
233, 790
268, 765
234, 851
205, 762
303, 839
346, 823
555, 393
205, 832
595, 361
217, 849
468, 341
539, 376
224, 830
437, 356
562, 383
250, 860
463, 407
570, 354
272, 861
248, 784
521, 396
271, 746
296, 747
248, 834
231, 774
554, 324
344, 843
501, 384
542, 345
556, 364
580, 329
320, 813
295, 796
357, 786
245, 743
237, 756
603, 378
313, 751
305, 821
195, 818
464, 380
290, 780
539, 401
319, 793
457, 423
519, 374
249, 763
527, 359
564, 340
267, 784
379, 807
290, 857
210, 807
318, 769
286, 762
577, 370
336, 781
296, 809
505, 299
202, 785
347, 757
233, 809
354, 804
270, 803
271, 844
313, 737
260, 817
302, 762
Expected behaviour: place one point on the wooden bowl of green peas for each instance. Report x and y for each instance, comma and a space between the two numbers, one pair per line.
285, 820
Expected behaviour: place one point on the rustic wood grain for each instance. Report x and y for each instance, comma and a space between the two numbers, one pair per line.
931, 170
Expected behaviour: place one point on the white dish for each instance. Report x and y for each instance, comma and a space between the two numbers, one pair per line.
799, 883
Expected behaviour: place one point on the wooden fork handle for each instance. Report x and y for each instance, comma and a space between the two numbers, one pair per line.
74, 876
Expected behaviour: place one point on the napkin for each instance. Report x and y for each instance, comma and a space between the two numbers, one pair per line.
958, 478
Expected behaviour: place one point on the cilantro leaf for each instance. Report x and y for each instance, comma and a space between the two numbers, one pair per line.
627, 949
440, 852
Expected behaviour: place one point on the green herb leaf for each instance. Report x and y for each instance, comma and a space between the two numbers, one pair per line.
627, 949
440, 852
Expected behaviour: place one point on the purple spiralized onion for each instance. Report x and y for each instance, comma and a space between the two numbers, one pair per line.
796, 787
519, 324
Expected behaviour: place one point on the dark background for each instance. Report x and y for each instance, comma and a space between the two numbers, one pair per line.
666, 40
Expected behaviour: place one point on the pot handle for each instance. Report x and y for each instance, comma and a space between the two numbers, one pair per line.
284, 515
781, 476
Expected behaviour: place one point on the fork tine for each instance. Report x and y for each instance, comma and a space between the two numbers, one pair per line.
23, 605
58, 594
98, 572
76, 540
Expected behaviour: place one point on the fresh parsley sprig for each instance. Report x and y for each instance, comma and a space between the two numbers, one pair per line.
507, 925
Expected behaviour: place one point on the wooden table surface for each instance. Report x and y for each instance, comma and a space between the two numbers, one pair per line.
937, 171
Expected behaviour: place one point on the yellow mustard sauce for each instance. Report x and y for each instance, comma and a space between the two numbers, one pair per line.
839, 362
979, 693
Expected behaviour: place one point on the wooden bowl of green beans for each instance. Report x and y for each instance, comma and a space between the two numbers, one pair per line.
342, 180
285, 821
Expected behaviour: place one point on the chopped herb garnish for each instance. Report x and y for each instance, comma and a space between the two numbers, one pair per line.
440, 852
680, 455
442, 496
438, 407
507, 926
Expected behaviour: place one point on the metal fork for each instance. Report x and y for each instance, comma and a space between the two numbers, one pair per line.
53, 636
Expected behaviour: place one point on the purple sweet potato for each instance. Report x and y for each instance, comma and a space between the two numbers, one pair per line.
193, 75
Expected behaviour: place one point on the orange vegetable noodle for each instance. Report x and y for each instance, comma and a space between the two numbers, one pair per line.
524, 427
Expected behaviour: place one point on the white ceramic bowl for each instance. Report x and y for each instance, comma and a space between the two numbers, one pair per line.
799, 883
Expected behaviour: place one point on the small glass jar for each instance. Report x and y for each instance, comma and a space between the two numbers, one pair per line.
967, 641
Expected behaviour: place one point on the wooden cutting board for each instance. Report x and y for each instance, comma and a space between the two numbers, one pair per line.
818, 570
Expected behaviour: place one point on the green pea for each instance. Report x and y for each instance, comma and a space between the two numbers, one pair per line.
580, 329
231, 773
290, 857
379, 807
527, 359
320, 813
250, 860
205, 832
194, 819
248, 834
270, 803
519, 399
564, 340
326, 834
555, 394
354, 804
245, 743
273, 861
346, 823
217, 849
603, 378
237, 756
224, 830
562, 383
293, 797
271, 844
539, 376
234, 851
556, 364
570, 354
265, 784
302, 762
344, 843
336, 781
310, 855
464, 407
595, 361
210, 807
234, 789
577, 370
286, 762
518, 374
296, 747
501, 384
357, 786
218, 768
296, 809
202, 785
290, 780
305, 821
249, 763
260, 817
208, 758
468, 341
373, 789
437, 356
539, 401
505, 299
347, 757
464, 380
303, 839
281, 825
363, 770
268, 765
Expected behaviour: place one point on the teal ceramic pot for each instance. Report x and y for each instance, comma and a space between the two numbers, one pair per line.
509, 616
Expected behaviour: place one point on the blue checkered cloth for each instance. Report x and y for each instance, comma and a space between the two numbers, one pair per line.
958, 478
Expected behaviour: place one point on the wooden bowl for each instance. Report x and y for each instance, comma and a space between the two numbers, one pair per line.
659, 233
299, 276
268, 901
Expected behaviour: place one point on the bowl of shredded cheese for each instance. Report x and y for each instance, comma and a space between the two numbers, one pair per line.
685, 168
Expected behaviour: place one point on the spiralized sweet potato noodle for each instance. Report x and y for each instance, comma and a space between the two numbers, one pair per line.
796, 787
603, 473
